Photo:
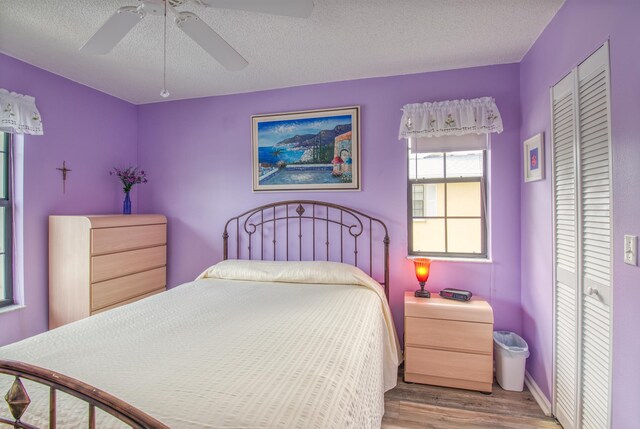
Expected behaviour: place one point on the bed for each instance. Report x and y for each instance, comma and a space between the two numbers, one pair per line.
287, 331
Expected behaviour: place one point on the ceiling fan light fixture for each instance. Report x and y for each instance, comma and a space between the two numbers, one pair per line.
164, 93
125, 18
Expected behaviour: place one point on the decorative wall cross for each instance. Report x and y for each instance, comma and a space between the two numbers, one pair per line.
64, 171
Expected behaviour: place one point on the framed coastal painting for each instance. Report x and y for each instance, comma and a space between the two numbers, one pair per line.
534, 158
315, 150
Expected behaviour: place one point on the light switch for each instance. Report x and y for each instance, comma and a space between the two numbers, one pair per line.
631, 249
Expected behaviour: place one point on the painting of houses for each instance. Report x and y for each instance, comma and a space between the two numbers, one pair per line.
342, 160
312, 150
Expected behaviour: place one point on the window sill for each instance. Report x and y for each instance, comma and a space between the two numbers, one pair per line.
445, 259
10, 308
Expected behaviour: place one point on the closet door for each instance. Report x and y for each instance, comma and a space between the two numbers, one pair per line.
594, 148
566, 252
582, 245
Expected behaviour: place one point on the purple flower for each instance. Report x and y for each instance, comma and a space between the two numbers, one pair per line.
129, 176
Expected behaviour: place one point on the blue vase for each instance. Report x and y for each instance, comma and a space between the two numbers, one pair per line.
126, 205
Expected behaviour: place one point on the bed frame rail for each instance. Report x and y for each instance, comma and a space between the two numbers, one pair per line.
281, 230
18, 400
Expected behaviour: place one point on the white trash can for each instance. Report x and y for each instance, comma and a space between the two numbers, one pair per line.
511, 353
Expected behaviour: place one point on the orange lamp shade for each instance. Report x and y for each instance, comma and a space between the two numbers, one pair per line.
422, 269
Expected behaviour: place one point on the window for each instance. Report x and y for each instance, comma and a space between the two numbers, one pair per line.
6, 237
418, 200
447, 203
425, 200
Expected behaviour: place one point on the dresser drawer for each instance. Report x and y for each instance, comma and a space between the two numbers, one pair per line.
110, 292
115, 265
110, 240
129, 301
446, 364
449, 335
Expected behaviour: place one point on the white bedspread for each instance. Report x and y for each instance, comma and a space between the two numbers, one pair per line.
224, 353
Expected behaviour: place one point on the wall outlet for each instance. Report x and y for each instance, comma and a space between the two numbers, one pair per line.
631, 249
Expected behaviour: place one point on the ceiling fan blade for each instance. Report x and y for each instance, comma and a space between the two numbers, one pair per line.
210, 41
112, 31
295, 8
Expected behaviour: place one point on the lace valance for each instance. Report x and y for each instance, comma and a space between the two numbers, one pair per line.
450, 118
19, 114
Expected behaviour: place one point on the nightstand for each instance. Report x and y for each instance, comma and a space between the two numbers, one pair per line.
448, 343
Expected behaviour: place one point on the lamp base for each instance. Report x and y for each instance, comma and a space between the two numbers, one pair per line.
421, 293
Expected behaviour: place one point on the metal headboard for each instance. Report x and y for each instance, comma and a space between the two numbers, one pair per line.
269, 231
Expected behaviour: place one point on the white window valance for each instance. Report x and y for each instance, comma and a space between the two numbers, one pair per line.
450, 118
19, 114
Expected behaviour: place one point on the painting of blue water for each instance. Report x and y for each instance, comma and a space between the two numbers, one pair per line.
271, 155
294, 176
300, 141
316, 149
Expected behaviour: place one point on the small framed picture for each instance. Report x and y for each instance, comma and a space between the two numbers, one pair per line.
534, 158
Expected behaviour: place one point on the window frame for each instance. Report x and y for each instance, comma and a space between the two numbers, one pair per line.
7, 203
445, 180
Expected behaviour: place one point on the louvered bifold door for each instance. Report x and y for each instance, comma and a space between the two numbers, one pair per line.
594, 150
566, 252
582, 244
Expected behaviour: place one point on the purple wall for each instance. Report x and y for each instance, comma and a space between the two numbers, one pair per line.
198, 156
191, 151
198, 153
92, 131
578, 29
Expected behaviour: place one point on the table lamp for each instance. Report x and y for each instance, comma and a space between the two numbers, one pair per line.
422, 274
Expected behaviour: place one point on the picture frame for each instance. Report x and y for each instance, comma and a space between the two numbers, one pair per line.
534, 158
311, 150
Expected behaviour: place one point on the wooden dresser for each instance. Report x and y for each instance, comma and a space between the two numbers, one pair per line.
101, 262
448, 343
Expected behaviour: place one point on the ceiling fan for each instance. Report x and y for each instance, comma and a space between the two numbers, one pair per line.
125, 18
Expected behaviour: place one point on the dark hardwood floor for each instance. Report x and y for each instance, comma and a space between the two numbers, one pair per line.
432, 407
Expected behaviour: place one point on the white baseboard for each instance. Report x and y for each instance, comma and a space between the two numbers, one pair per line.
537, 394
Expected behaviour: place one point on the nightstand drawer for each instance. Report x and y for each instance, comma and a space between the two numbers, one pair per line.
476, 310
449, 335
449, 365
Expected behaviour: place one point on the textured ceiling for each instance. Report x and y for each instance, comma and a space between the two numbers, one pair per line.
343, 39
